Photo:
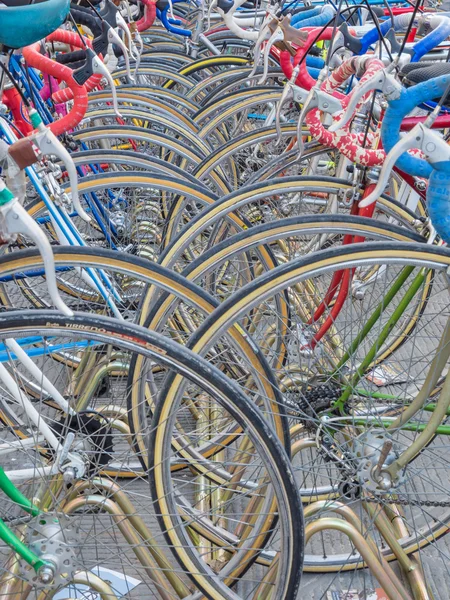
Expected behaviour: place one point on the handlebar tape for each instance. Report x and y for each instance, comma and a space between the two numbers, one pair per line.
438, 199
430, 41
320, 20
372, 36
305, 15
348, 143
304, 79
397, 109
162, 16
72, 39
315, 62
62, 73
313, 72
71, 57
149, 16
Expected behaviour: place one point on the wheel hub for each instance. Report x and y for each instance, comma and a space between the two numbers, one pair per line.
374, 452
54, 538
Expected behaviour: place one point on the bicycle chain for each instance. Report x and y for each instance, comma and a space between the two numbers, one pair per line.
319, 398
404, 502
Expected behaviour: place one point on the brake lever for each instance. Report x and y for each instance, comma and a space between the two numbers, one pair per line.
102, 69
316, 98
276, 36
433, 146
49, 144
95, 65
121, 24
382, 81
17, 220
139, 40
263, 32
346, 40
114, 38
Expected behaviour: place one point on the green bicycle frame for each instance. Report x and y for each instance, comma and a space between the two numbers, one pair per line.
8, 536
440, 410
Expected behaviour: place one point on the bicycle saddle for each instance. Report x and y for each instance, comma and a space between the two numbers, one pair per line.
415, 73
27, 21
423, 71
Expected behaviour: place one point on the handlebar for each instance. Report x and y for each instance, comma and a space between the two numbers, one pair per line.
306, 14
162, 10
433, 39
399, 108
72, 39
400, 22
440, 25
303, 80
149, 16
349, 144
326, 15
438, 199
62, 73
226, 9
162, 16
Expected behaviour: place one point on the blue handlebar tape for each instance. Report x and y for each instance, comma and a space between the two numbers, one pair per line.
438, 199
315, 62
313, 72
430, 41
398, 109
307, 14
320, 20
162, 16
372, 36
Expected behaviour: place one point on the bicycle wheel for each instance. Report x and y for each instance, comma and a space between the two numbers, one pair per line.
107, 526
156, 76
178, 59
128, 276
141, 140
239, 112
267, 201
358, 399
244, 157
98, 161
234, 81
231, 264
154, 122
129, 209
160, 98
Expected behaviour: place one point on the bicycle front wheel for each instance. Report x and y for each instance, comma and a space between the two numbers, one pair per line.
110, 525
